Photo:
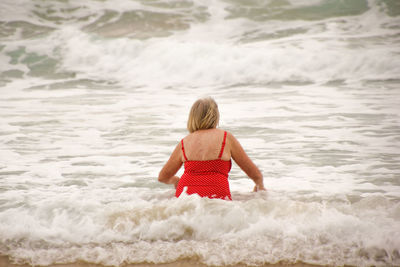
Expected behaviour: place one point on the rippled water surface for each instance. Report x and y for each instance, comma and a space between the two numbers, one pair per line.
95, 96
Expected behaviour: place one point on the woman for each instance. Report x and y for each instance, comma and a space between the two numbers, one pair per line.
206, 153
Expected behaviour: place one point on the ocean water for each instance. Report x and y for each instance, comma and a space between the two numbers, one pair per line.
94, 96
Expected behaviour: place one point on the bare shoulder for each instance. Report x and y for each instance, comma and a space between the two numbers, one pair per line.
231, 138
231, 142
188, 137
208, 133
235, 146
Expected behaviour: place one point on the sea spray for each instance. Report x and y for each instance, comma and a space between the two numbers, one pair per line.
95, 97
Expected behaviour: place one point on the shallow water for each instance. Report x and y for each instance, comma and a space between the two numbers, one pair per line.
95, 95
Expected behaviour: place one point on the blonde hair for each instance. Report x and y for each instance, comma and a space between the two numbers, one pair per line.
203, 115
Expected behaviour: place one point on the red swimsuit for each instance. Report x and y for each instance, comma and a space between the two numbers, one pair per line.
208, 178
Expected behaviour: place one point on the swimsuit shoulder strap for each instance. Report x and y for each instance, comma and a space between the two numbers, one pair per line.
183, 151
222, 147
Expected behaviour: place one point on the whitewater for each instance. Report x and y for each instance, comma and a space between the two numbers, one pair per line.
95, 96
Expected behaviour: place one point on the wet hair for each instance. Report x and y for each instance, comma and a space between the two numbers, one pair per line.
203, 115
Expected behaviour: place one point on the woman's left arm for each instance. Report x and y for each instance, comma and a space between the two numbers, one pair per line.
174, 163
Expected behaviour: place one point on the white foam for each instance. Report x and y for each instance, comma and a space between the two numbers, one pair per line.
275, 227
79, 162
171, 63
187, 58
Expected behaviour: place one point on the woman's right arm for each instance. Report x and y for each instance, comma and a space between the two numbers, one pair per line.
245, 163
167, 173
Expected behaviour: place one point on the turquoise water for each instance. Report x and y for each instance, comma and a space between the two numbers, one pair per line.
95, 96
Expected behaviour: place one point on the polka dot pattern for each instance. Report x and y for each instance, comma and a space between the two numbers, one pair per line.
207, 178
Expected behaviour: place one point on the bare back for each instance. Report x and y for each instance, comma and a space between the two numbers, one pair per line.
206, 145
203, 145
